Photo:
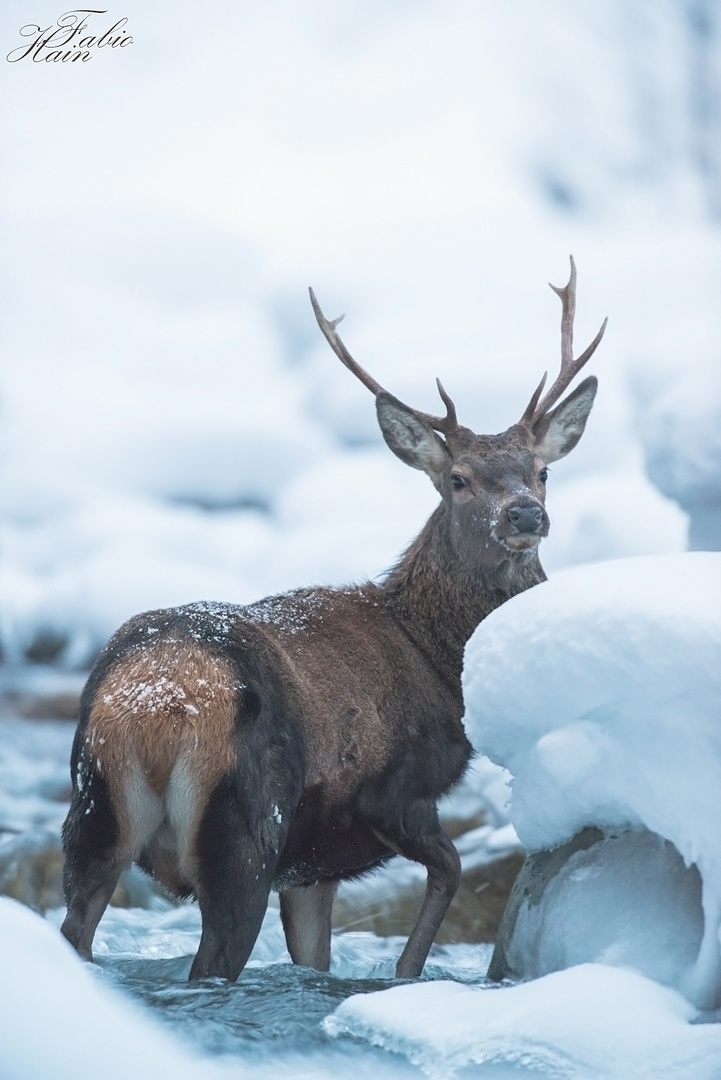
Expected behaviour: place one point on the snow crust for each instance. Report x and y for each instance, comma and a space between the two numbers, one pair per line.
587, 1023
599, 692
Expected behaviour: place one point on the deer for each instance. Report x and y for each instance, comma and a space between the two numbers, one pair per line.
305, 739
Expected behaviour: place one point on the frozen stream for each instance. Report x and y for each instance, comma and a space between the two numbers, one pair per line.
273, 1016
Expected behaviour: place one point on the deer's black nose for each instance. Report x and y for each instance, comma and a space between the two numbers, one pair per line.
526, 519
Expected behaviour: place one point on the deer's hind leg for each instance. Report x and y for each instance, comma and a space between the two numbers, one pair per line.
236, 854
101, 835
92, 862
94, 857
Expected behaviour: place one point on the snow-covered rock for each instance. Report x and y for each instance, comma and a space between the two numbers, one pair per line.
599, 691
624, 898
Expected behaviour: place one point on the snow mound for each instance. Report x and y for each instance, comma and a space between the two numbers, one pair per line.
590, 1022
41, 975
599, 692
682, 445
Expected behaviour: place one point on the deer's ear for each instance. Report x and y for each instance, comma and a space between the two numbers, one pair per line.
557, 433
410, 438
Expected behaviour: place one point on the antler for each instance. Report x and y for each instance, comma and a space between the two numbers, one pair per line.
569, 367
445, 424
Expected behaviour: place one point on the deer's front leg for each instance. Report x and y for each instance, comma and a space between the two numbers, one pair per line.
419, 836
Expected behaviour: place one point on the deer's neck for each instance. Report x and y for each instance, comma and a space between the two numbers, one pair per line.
441, 600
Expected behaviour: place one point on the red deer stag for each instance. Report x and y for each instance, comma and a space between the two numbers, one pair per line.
305, 739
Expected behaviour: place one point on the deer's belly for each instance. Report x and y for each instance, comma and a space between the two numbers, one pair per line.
328, 848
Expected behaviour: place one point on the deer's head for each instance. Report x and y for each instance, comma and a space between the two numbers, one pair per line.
493, 486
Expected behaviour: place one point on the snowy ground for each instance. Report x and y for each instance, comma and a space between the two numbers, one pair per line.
591, 1022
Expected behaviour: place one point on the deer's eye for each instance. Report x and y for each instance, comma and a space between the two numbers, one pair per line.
457, 482
543, 475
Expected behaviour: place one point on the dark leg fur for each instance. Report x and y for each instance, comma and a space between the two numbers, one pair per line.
92, 862
306, 914
420, 837
236, 864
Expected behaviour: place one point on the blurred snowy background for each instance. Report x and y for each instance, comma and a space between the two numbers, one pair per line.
172, 424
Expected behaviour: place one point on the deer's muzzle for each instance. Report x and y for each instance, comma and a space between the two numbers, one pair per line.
525, 524
526, 519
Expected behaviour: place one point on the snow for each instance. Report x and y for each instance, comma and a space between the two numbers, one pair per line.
609, 654
41, 1036
599, 692
613, 724
61, 1018
682, 445
612, 514
34, 776
591, 1023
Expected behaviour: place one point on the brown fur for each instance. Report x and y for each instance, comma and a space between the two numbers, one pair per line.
158, 708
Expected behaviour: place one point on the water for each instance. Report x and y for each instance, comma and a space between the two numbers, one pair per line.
271, 1020
273, 1013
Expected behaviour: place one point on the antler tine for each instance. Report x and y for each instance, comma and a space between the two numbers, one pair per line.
569, 366
527, 418
445, 424
567, 295
328, 327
